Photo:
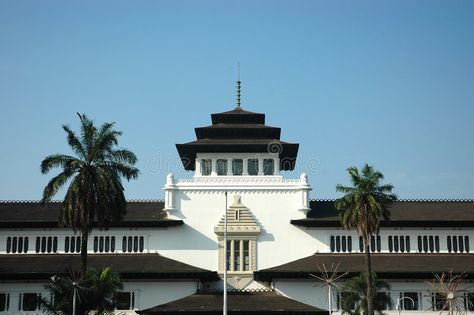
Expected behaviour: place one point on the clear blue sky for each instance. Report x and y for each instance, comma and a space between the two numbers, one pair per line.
390, 83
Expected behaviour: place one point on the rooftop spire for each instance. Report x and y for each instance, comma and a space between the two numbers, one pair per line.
238, 87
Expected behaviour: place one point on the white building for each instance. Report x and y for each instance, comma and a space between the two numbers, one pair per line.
171, 254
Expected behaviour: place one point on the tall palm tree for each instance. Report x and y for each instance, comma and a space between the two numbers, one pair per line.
354, 295
95, 193
363, 205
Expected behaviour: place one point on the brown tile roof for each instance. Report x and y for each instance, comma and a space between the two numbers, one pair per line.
33, 214
414, 265
130, 266
408, 213
239, 302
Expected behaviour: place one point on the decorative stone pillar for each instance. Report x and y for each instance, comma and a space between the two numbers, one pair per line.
169, 198
245, 167
229, 167
198, 168
260, 166
304, 193
276, 166
214, 167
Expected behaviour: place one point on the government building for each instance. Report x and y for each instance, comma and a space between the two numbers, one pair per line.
172, 254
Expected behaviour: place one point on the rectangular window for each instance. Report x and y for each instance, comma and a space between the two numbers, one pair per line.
50, 244
66, 244
112, 244
236, 255
130, 244
73, 244
142, 244
101, 244
9, 244
227, 255
135, 244
78, 244
437, 301
246, 255
96, 244
206, 167
252, 166
380, 301
221, 167
125, 300
268, 167
410, 301
124, 244
237, 166
107, 244
14, 245
29, 302
4, 302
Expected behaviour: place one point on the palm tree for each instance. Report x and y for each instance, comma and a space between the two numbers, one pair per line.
95, 192
363, 205
95, 291
354, 296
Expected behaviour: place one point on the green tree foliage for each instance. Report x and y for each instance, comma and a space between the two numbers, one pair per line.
354, 295
95, 192
95, 292
363, 205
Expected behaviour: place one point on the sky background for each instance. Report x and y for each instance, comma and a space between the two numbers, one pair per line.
390, 83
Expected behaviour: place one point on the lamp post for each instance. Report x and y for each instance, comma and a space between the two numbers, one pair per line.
74, 292
224, 309
399, 306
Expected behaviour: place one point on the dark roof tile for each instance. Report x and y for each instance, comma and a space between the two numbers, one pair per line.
239, 302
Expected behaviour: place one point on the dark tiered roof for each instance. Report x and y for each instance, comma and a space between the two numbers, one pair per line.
239, 302
130, 266
32, 214
237, 131
387, 266
404, 213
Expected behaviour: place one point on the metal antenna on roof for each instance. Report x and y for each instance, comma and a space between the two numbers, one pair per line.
238, 86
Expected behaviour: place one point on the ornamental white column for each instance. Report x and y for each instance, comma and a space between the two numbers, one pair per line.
214, 167
229, 167
198, 167
245, 170
276, 166
169, 198
260, 166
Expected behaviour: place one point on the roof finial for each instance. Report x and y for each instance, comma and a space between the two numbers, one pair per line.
238, 86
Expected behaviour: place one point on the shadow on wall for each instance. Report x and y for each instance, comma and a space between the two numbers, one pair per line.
187, 238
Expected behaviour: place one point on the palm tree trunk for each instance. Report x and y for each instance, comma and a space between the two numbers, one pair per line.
368, 269
368, 266
84, 252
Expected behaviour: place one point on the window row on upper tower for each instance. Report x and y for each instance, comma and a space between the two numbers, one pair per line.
236, 166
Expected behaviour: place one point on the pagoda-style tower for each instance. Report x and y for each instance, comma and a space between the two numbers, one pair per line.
237, 158
238, 143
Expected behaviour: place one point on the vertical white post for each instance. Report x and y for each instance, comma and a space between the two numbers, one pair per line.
214, 167
74, 293
229, 167
225, 258
260, 166
330, 299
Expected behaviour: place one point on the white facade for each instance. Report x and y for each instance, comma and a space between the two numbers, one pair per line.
260, 204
